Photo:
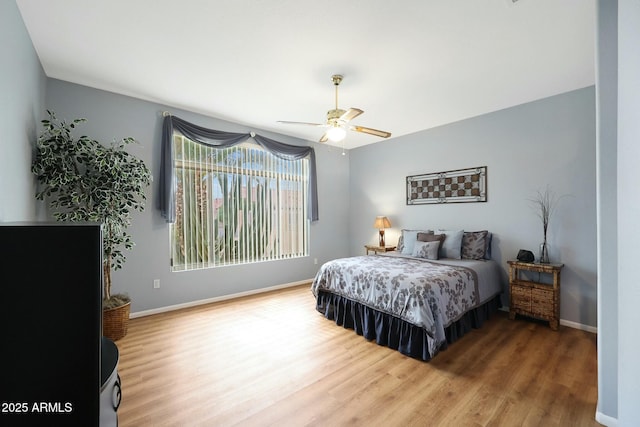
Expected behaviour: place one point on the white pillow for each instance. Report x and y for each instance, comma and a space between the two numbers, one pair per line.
409, 238
428, 250
452, 245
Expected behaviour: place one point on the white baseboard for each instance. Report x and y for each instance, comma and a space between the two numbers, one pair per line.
569, 323
606, 420
215, 299
143, 313
580, 326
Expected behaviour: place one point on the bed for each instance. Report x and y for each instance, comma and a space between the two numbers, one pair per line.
417, 299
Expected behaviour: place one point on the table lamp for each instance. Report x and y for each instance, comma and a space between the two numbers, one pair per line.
381, 223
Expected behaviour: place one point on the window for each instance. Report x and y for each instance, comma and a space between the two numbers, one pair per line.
236, 205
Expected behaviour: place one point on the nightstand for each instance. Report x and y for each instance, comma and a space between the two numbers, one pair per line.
378, 249
534, 298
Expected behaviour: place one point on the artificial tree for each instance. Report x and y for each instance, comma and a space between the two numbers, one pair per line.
86, 181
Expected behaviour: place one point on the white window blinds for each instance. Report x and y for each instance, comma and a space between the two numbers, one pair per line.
237, 205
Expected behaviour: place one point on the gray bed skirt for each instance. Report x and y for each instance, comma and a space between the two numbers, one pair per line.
396, 333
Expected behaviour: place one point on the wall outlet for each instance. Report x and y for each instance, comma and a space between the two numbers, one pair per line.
156, 283
315, 260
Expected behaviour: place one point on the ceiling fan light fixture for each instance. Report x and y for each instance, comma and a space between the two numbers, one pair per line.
338, 120
336, 133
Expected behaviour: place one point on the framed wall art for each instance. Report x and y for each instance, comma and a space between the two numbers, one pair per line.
456, 186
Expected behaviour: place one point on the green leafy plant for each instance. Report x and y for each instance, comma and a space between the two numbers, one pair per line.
84, 180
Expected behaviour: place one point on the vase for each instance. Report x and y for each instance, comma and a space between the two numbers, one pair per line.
544, 253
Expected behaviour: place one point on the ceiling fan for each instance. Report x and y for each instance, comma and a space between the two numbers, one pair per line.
338, 120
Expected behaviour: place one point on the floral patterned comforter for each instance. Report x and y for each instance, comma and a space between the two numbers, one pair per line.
425, 293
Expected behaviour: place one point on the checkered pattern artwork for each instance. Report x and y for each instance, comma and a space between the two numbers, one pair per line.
463, 185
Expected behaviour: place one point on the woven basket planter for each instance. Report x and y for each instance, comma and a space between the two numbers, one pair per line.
115, 322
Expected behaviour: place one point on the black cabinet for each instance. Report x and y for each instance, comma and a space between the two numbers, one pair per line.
51, 324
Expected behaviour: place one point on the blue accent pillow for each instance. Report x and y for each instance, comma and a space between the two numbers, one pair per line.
452, 245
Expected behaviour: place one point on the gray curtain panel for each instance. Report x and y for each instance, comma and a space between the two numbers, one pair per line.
222, 139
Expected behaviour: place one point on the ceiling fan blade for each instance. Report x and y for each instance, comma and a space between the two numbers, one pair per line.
339, 118
300, 123
370, 131
351, 114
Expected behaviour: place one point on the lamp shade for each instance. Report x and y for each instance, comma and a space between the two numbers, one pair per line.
336, 134
381, 222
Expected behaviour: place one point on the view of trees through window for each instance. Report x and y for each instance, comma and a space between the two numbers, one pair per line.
237, 205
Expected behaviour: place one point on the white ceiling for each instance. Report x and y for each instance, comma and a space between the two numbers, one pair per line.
409, 64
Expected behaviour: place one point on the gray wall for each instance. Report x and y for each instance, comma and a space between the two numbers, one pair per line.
112, 116
22, 89
607, 99
551, 141
618, 68
628, 213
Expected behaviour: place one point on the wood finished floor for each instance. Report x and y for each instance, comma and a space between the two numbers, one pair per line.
272, 360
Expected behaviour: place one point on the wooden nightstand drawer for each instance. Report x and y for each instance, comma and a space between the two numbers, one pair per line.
541, 296
542, 304
521, 297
